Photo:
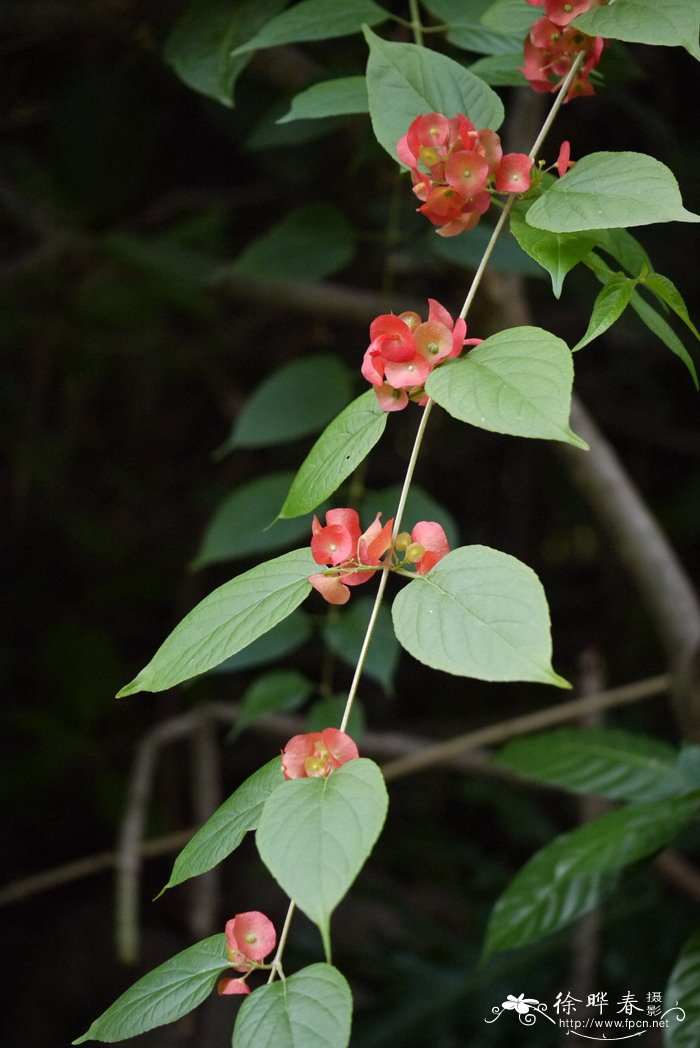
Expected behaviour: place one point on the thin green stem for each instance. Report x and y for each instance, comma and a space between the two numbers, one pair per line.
364, 649
416, 25
276, 968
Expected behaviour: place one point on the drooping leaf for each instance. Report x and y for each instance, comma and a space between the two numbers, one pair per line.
231, 617
404, 80
656, 324
276, 690
164, 995
420, 505
608, 190
518, 382
667, 291
314, 240
315, 20
344, 633
200, 43
625, 249
225, 829
316, 834
673, 23
478, 613
299, 398
280, 641
606, 762
338, 451
465, 30
310, 1009
570, 875
347, 94
610, 304
328, 713
241, 524
683, 992
558, 253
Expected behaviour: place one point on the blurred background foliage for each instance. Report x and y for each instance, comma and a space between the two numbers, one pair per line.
140, 222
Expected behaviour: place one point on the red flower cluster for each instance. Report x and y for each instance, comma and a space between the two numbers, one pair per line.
340, 544
356, 556
249, 939
553, 44
404, 350
316, 754
454, 169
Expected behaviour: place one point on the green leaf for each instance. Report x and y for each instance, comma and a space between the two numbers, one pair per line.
316, 834
662, 330
164, 995
607, 762
338, 451
558, 253
683, 989
316, 20
419, 506
344, 633
608, 307
225, 829
241, 524
507, 257
404, 80
608, 190
347, 94
466, 31
674, 22
478, 613
328, 713
282, 640
625, 249
314, 240
510, 16
667, 291
231, 617
311, 1009
295, 400
518, 381
276, 690
500, 70
570, 875
200, 43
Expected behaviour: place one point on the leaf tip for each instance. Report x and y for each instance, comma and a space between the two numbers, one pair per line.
576, 441
130, 689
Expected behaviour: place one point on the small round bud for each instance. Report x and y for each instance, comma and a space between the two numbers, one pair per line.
414, 552
403, 541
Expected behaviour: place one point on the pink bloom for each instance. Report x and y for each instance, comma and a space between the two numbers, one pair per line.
249, 938
316, 754
430, 536
227, 984
513, 173
563, 163
552, 45
341, 545
338, 540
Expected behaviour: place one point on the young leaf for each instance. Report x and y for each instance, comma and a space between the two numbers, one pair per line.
675, 22
315, 20
570, 875
341, 447
656, 324
316, 834
608, 307
314, 239
299, 398
556, 252
347, 94
683, 989
282, 640
231, 617
344, 633
606, 762
276, 690
518, 382
164, 995
478, 613
667, 291
311, 1009
625, 249
404, 80
225, 829
241, 524
201, 41
608, 190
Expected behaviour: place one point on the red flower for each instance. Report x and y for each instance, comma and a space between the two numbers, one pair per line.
552, 45
563, 163
228, 984
341, 545
431, 538
421, 346
249, 938
316, 754
513, 173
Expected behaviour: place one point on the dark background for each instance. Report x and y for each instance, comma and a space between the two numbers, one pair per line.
122, 373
